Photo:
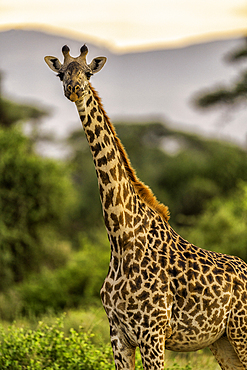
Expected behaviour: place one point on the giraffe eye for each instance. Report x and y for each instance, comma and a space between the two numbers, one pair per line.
61, 75
88, 75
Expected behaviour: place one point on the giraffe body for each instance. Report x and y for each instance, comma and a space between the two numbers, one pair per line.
160, 291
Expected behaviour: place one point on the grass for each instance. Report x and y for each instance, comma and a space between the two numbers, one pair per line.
202, 359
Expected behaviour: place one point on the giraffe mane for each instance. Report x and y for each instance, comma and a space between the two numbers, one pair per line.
141, 189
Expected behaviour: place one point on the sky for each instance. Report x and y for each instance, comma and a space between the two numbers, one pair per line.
130, 25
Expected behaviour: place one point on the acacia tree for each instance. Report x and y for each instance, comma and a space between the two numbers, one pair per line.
228, 96
12, 113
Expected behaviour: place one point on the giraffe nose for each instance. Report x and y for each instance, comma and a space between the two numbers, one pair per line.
72, 92
74, 89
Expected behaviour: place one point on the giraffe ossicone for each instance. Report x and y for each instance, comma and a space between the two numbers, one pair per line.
161, 291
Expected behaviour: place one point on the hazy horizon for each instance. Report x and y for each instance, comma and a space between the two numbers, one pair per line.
156, 85
130, 25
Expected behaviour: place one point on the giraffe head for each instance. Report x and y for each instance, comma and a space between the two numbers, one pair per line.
75, 72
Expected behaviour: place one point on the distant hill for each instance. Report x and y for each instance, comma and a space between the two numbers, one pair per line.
157, 84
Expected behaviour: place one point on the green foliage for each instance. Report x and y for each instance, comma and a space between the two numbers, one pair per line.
223, 96
34, 197
185, 180
222, 227
12, 113
240, 53
35, 194
198, 178
73, 285
199, 170
178, 367
215, 98
49, 348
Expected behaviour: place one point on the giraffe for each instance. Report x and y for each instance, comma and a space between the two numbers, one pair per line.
161, 292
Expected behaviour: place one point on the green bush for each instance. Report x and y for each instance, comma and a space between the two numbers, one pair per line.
74, 285
49, 348
222, 227
35, 194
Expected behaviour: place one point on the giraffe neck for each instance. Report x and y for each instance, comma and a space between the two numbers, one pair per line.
122, 194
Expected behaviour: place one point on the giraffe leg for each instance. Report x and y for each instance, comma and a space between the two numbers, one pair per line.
225, 354
153, 353
124, 353
237, 335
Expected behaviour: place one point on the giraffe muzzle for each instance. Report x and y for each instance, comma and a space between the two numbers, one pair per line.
72, 93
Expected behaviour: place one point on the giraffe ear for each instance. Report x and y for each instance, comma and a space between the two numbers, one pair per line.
53, 63
97, 64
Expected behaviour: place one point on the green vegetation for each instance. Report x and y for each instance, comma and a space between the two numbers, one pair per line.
34, 197
232, 95
54, 248
185, 180
49, 348
222, 226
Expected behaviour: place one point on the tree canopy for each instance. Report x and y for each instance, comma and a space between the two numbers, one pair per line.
235, 94
35, 194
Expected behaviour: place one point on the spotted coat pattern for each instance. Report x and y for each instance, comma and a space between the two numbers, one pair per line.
161, 292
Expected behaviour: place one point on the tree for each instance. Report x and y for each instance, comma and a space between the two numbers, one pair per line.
228, 96
222, 226
12, 113
34, 195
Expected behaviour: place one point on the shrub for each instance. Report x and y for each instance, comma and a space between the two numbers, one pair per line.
49, 348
